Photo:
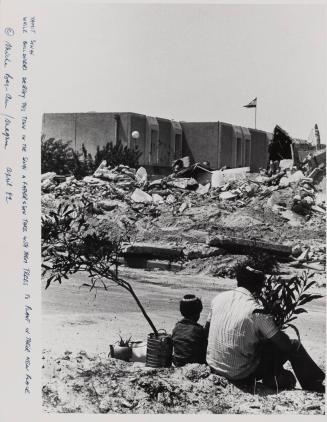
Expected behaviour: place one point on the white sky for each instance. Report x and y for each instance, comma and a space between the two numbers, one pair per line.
188, 62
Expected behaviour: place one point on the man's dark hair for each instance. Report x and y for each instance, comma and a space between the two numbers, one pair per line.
190, 306
249, 278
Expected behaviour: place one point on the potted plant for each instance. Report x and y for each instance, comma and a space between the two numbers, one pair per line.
73, 240
121, 350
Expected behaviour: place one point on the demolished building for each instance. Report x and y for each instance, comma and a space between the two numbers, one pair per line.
161, 141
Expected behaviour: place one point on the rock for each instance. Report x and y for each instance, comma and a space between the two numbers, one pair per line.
183, 183
235, 173
196, 371
182, 207
157, 199
296, 177
47, 185
296, 250
195, 236
318, 209
48, 176
217, 179
141, 176
304, 256
106, 175
286, 164
93, 180
203, 189
250, 188
227, 195
308, 200
170, 199
107, 205
292, 218
140, 196
284, 182
155, 183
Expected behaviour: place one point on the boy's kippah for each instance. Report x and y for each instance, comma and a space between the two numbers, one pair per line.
189, 298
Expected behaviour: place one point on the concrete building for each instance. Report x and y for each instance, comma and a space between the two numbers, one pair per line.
160, 140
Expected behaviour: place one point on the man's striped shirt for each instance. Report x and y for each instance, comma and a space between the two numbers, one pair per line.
235, 332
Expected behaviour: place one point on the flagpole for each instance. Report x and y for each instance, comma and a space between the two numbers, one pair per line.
255, 117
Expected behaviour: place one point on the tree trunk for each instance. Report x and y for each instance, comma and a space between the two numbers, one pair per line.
146, 316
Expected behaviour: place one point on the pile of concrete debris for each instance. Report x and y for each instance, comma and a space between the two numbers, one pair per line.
111, 188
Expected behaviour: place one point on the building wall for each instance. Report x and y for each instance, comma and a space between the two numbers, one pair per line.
123, 128
200, 141
175, 141
90, 129
152, 141
59, 126
138, 123
227, 148
95, 129
164, 142
259, 149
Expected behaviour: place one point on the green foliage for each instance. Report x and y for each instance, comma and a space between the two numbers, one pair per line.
283, 299
73, 240
117, 154
58, 156
124, 343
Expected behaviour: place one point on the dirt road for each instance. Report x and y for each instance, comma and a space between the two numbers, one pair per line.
76, 319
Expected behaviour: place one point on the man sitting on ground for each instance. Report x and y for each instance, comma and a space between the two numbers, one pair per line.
244, 344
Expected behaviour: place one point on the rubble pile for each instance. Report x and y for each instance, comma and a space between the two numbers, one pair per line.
286, 207
94, 383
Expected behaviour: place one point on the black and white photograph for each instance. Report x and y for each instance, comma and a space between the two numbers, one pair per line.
182, 168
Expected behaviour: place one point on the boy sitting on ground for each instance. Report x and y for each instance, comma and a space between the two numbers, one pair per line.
189, 337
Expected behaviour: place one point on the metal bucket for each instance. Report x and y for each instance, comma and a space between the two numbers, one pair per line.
159, 350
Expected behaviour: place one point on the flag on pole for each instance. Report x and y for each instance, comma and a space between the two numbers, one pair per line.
251, 104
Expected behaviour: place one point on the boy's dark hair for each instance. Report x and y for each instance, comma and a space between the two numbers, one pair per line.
190, 306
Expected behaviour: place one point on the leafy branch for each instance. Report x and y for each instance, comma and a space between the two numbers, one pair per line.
284, 299
73, 241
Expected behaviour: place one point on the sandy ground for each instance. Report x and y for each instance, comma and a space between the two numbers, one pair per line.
75, 319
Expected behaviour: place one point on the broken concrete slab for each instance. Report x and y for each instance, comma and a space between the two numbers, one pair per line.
149, 249
182, 207
236, 244
157, 199
203, 189
170, 199
203, 252
228, 195
155, 264
195, 236
49, 175
141, 196
141, 175
107, 205
183, 183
